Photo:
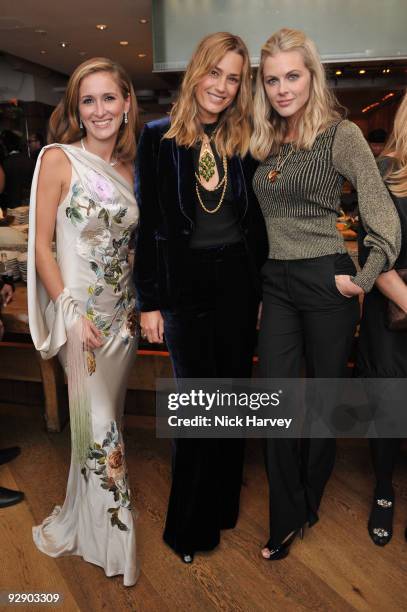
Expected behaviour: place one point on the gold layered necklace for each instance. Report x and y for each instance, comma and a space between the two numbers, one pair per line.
275, 173
206, 170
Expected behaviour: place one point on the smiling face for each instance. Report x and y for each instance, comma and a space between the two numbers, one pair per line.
287, 83
101, 105
217, 90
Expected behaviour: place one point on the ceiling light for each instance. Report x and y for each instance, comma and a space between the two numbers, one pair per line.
40, 31
101, 26
64, 45
338, 72
43, 52
362, 71
141, 55
143, 21
124, 43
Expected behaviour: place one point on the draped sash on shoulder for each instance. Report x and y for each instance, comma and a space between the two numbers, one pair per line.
46, 319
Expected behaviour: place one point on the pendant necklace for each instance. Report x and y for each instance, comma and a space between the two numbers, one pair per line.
223, 182
111, 163
275, 173
207, 163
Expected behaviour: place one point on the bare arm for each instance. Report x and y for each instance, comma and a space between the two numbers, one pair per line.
54, 176
393, 287
53, 185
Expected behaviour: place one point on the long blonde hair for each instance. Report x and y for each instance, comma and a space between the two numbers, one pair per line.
233, 135
396, 147
321, 109
64, 125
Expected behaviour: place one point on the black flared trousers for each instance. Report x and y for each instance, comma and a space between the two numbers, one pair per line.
211, 335
304, 318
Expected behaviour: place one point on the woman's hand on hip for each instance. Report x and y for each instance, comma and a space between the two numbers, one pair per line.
346, 286
152, 326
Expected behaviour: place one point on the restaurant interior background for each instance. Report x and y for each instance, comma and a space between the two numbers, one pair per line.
364, 48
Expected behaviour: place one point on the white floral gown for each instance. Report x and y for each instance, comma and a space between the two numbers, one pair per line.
94, 225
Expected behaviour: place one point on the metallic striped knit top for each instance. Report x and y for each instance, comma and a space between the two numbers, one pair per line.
301, 206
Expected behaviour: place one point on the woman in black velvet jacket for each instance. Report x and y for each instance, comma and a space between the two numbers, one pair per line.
201, 243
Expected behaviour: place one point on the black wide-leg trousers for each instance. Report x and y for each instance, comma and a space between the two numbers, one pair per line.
211, 335
304, 317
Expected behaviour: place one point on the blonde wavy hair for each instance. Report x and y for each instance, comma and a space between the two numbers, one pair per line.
396, 148
64, 126
321, 109
233, 135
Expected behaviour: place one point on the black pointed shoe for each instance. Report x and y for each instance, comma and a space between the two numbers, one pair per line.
8, 497
8, 454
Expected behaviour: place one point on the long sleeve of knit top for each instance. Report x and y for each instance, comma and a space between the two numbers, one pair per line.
301, 207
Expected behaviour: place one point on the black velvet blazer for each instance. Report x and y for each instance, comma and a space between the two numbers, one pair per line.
165, 192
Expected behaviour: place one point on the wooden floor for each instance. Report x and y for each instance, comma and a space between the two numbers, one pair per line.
335, 567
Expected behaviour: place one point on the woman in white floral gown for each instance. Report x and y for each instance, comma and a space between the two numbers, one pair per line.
81, 305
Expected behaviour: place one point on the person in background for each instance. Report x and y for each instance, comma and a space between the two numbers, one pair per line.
382, 353
18, 169
35, 144
2, 179
6, 289
377, 139
310, 285
6, 294
8, 497
201, 243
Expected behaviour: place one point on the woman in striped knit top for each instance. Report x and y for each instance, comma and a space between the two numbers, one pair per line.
311, 288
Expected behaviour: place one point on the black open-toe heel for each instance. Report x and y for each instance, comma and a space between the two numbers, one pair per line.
187, 557
380, 525
282, 550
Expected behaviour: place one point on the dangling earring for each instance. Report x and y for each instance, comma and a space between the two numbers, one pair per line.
80, 124
125, 117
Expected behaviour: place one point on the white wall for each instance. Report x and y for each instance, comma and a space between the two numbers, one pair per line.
14, 84
344, 30
27, 86
44, 89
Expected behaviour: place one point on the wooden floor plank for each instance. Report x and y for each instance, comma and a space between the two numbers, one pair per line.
22, 567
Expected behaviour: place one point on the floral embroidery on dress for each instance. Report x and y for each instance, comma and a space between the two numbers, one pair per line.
90, 362
107, 461
104, 243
